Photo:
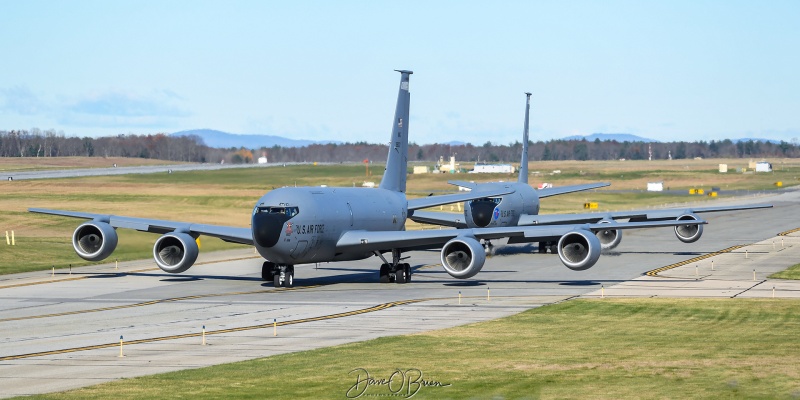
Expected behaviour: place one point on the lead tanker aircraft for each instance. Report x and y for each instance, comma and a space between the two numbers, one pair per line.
302, 225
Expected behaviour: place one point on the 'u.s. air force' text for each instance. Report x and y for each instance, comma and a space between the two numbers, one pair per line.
309, 229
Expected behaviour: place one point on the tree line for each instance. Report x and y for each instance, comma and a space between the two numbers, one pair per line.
49, 143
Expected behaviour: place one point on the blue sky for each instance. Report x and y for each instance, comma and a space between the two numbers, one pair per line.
669, 70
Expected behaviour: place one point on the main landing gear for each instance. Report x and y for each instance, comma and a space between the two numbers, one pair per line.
281, 275
544, 246
395, 271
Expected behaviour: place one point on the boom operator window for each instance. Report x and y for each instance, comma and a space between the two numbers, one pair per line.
287, 211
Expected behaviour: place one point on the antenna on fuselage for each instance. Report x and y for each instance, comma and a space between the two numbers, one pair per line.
394, 177
523, 166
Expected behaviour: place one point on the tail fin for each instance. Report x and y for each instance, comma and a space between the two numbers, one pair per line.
394, 177
523, 166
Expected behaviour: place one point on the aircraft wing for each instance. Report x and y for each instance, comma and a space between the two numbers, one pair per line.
426, 239
469, 185
226, 233
432, 201
547, 192
632, 216
439, 218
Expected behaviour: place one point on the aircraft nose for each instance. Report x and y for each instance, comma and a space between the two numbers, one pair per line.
482, 212
267, 228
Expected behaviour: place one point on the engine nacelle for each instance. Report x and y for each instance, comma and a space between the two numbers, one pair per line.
463, 257
175, 252
688, 233
579, 250
609, 238
94, 240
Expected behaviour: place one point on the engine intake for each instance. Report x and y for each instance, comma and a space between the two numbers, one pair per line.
175, 252
688, 233
579, 250
94, 240
463, 257
609, 238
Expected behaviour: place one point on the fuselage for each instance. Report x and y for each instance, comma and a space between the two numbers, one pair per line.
302, 225
503, 210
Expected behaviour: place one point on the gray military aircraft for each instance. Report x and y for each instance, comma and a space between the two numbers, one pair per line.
521, 208
302, 225
503, 210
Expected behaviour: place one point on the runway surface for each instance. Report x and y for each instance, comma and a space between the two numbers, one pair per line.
145, 169
63, 331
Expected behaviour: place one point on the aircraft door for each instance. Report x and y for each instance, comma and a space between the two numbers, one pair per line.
300, 250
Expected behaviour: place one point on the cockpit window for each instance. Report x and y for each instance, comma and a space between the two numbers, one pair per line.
495, 200
287, 211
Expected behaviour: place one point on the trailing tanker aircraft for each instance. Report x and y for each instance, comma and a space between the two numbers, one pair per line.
303, 225
521, 208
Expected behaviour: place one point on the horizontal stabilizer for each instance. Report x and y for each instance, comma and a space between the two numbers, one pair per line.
432, 201
547, 192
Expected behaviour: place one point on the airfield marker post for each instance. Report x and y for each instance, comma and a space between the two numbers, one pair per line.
53, 275
745, 253
773, 292
274, 327
695, 271
754, 274
488, 294
602, 292
781, 242
712, 265
773, 245
116, 263
459, 297
204, 335
8, 242
13, 243
120, 347
70, 269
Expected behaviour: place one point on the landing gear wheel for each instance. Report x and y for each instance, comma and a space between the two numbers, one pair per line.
400, 275
268, 271
554, 248
284, 277
288, 280
384, 274
407, 270
542, 248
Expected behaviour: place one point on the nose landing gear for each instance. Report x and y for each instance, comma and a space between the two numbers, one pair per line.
281, 275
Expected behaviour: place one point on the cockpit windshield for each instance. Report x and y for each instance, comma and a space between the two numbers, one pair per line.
287, 211
495, 200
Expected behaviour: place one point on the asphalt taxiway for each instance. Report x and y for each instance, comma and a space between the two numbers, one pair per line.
61, 331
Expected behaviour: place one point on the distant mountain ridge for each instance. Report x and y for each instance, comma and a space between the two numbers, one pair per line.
619, 137
224, 140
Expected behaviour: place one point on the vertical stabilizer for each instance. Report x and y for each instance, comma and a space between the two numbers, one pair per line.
394, 177
523, 166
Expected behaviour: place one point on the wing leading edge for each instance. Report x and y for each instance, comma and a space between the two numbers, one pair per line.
434, 238
633, 216
227, 233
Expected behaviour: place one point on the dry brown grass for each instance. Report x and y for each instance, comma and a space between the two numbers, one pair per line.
40, 163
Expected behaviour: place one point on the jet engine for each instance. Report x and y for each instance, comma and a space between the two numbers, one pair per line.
688, 233
579, 250
94, 240
463, 257
175, 252
609, 238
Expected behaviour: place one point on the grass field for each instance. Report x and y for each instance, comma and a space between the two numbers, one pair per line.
792, 272
226, 196
598, 349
